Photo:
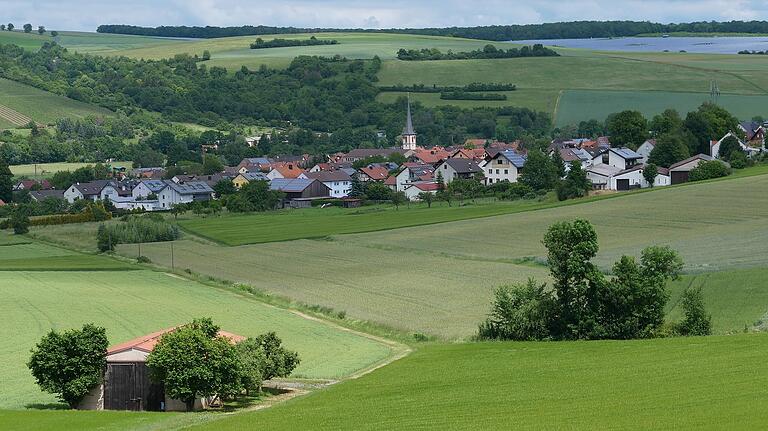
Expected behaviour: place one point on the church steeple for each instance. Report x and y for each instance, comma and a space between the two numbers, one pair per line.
409, 135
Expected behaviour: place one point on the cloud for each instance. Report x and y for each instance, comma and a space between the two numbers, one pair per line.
88, 14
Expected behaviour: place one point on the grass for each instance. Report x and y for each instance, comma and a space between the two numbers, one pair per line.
42, 106
92, 420
701, 383
46, 170
581, 105
134, 303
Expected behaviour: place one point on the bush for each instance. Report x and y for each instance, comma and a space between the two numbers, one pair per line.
696, 321
708, 170
135, 230
520, 312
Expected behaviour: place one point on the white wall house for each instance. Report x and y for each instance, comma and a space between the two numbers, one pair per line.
715, 146
146, 188
457, 168
645, 150
506, 165
184, 193
600, 175
412, 191
339, 182
94, 190
621, 158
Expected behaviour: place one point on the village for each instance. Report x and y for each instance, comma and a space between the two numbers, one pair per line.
420, 171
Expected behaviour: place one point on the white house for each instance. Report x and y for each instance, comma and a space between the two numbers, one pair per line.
451, 169
287, 171
715, 146
506, 165
601, 174
621, 158
93, 191
413, 190
147, 187
183, 193
413, 173
339, 182
645, 150
571, 155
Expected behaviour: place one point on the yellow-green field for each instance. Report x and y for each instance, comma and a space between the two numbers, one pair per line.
45, 170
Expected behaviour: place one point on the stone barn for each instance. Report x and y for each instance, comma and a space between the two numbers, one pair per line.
126, 384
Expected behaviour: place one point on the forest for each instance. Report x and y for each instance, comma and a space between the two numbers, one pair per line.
488, 52
282, 43
557, 30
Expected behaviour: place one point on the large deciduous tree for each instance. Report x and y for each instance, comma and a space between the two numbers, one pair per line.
627, 129
669, 149
539, 173
6, 181
70, 363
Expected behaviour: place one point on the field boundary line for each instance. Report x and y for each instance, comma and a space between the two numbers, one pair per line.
13, 116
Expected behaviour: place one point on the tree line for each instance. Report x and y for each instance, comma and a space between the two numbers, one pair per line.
281, 43
556, 30
464, 95
488, 52
434, 88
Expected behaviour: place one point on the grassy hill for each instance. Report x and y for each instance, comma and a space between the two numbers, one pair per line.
704, 383
19, 103
45, 287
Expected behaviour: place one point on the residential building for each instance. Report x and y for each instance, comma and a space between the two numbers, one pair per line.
364, 153
679, 171
413, 190
506, 165
601, 174
339, 183
242, 179
645, 149
148, 173
32, 184
373, 173
715, 146
432, 156
254, 164
301, 191
183, 193
457, 168
94, 190
286, 171
621, 158
40, 195
146, 188
754, 131
411, 173
571, 155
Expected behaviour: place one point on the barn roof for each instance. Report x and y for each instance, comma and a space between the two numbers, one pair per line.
147, 343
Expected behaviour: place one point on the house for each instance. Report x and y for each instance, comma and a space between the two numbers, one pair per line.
211, 180
126, 383
600, 175
571, 155
364, 153
621, 158
645, 149
754, 132
94, 190
244, 178
254, 164
301, 191
606, 177
183, 193
373, 173
679, 171
40, 195
339, 183
413, 190
148, 173
451, 169
432, 156
146, 188
32, 184
504, 166
330, 166
715, 146
286, 171
411, 172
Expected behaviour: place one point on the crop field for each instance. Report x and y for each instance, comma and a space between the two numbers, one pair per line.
86, 42
45, 170
41, 106
581, 105
627, 385
34, 420
132, 303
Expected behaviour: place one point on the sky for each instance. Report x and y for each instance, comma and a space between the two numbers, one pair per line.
86, 15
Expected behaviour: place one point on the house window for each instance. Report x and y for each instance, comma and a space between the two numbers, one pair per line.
499, 161
497, 172
506, 171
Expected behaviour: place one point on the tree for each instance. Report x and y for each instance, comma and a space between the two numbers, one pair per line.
440, 181
398, 198
27, 28
193, 361
377, 191
206, 55
668, 121
6, 182
2, 27
212, 165
650, 172
521, 312
427, 197
738, 159
627, 129
224, 187
54, 33
278, 361
696, 321
11, 26
669, 149
557, 161
357, 189
252, 361
40, 30
71, 363
255, 196
728, 146
539, 172
709, 122
19, 219
575, 185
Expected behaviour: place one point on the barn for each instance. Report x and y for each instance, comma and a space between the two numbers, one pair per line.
126, 384
680, 171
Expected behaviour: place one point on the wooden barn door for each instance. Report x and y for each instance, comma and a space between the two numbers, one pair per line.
123, 387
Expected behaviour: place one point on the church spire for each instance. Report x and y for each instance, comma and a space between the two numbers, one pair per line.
409, 135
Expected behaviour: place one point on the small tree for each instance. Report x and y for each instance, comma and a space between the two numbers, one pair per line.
193, 361
6, 182
20, 219
576, 183
520, 312
358, 188
728, 146
212, 165
709, 170
206, 55
427, 197
696, 321
54, 33
40, 30
70, 364
278, 361
11, 26
398, 198
650, 172
27, 28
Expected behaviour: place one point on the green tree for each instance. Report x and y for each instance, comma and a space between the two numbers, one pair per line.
557, 161
650, 172
27, 28
11, 26
668, 121
224, 187
212, 165
70, 363
40, 30
627, 129
575, 185
427, 197
193, 361
377, 191
54, 33
19, 219
255, 196
709, 170
521, 312
206, 55
669, 149
252, 359
6, 182
728, 146
397, 199
357, 189
278, 361
696, 321
709, 122
539, 172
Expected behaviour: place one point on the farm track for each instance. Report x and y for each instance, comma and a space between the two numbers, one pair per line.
14, 117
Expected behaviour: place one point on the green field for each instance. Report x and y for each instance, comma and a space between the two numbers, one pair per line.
41, 106
133, 303
34, 420
45, 170
703, 383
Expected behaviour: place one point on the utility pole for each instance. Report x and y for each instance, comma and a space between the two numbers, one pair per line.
173, 265
714, 92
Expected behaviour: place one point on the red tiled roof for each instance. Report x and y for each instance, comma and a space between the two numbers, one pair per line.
147, 343
377, 173
390, 181
432, 156
427, 187
288, 170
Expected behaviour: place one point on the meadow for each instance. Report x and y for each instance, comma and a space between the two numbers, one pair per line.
616, 385
132, 303
45, 170
41, 106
